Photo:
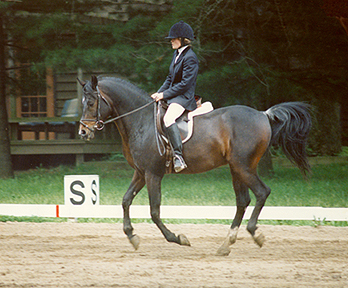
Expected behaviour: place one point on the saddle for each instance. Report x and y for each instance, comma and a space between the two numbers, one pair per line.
184, 122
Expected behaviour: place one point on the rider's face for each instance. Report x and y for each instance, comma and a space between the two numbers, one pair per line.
176, 43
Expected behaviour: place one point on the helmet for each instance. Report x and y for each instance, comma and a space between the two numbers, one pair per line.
181, 30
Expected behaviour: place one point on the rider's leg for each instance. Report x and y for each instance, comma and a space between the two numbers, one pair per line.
174, 111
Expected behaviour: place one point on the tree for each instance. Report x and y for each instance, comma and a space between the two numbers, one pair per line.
251, 52
276, 51
257, 53
25, 27
339, 10
5, 153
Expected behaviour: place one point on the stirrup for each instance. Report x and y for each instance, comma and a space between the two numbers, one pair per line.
179, 163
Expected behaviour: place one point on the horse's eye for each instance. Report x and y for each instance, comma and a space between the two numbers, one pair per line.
90, 103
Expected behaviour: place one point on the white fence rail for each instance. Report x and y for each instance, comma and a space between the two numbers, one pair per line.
173, 212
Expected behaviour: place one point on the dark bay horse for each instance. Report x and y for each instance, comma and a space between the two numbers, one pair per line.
234, 135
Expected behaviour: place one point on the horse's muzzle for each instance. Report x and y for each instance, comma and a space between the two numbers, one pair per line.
86, 134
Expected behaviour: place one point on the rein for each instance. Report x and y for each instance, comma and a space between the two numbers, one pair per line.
99, 124
129, 113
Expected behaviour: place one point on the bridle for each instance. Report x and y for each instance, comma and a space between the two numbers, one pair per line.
99, 123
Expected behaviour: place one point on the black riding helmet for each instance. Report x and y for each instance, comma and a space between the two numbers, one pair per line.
181, 30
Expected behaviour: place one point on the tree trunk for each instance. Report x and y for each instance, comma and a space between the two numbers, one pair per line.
6, 169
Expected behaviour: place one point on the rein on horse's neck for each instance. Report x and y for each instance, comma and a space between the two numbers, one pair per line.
158, 142
114, 109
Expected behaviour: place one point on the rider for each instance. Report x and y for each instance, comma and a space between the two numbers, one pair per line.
178, 90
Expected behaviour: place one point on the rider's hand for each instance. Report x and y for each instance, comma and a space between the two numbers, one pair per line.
157, 96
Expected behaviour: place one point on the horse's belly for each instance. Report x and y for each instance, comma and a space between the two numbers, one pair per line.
201, 158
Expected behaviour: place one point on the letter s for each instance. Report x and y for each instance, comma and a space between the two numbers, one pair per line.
78, 193
94, 184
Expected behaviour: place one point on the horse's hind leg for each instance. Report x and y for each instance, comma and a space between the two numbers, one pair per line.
153, 183
138, 182
261, 192
243, 199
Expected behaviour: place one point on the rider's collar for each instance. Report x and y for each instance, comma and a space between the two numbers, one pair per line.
182, 48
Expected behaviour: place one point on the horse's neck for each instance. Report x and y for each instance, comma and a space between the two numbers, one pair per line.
133, 129
135, 123
126, 98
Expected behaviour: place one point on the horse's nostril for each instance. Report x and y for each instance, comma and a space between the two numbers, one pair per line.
82, 132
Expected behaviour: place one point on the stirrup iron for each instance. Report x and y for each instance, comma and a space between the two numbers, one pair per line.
179, 163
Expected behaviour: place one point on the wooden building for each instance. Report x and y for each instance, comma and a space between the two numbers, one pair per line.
48, 124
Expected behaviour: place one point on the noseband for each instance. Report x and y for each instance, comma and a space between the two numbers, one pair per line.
99, 123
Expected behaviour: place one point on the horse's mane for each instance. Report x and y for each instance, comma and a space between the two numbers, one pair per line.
124, 84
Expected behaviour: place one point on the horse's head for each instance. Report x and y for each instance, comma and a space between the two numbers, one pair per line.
95, 109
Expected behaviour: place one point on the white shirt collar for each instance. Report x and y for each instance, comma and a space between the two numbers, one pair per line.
180, 50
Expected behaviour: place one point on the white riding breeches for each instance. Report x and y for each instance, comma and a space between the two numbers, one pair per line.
173, 112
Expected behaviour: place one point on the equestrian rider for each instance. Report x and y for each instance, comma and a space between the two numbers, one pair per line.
178, 90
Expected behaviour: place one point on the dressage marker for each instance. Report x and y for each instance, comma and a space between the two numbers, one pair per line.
81, 190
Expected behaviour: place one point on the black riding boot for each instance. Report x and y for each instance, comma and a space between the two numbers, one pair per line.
175, 140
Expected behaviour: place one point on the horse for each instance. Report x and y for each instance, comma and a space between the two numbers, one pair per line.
235, 135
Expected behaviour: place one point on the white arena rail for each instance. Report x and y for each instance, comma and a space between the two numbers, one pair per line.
173, 212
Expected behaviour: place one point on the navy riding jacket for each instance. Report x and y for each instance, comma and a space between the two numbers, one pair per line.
179, 86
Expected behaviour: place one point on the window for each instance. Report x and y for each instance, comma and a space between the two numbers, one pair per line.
32, 106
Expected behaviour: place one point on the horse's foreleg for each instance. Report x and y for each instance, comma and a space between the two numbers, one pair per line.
153, 183
138, 182
243, 200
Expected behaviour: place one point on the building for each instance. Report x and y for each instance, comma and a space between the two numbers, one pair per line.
46, 122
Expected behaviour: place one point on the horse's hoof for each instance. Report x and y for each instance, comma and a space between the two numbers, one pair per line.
259, 239
223, 251
135, 240
183, 240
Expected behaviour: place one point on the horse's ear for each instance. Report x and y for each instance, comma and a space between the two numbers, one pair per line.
94, 82
82, 83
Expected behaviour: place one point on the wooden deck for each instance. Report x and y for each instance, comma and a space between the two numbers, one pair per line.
43, 126
76, 147
65, 138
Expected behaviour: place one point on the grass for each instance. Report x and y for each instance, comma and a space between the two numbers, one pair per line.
327, 187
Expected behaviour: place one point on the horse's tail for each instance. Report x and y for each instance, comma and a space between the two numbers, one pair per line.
291, 123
